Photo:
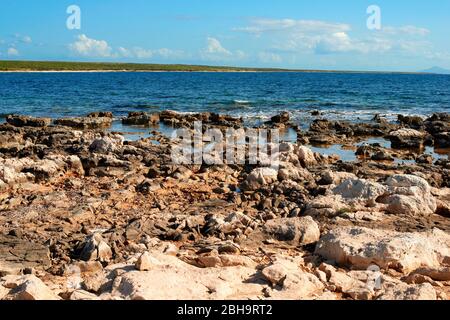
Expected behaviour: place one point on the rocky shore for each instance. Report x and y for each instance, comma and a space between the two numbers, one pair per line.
87, 215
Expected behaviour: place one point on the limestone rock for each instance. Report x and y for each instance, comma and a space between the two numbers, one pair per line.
298, 231
409, 194
32, 288
85, 122
260, 177
107, 144
360, 248
360, 190
95, 248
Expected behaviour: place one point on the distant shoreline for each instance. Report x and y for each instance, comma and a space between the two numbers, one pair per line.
97, 67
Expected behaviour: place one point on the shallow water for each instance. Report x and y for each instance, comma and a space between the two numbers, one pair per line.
254, 96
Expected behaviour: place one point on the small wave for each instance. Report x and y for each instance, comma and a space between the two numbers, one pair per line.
242, 102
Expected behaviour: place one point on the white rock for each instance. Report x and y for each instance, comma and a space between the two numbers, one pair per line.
409, 195
107, 144
360, 190
306, 156
298, 231
360, 248
260, 177
32, 288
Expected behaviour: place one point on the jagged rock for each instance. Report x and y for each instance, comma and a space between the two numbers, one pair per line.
224, 261
27, 121
141, 119
328, 206
107, 144
283, 117
360, 190
95, 248
409, 194
176, 279
407, 138
30, 287
83, 295
290, 282
298, 231
330, 177
17, 254
145, 262
360, 248
260, 177
306, 156
85, 122
100, 114
439, 274
401, 291
288, 171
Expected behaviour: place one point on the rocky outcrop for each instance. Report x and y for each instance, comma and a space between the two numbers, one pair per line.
359, 248
27, 121
298, 231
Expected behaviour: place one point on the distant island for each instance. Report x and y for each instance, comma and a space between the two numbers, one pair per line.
61, 66
437, 70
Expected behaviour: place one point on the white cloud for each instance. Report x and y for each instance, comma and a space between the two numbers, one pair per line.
12, 52
408, 30
269, 57
26, 39
214, 51
215, 47
88, 47
259, 26
323, 37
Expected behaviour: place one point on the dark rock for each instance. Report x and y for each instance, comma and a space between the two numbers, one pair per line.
283, 117
85, 122
26, 121
141, 119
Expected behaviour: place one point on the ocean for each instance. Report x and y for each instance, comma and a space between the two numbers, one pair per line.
254, 96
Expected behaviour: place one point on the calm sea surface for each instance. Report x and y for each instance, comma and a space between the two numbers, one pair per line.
256, 96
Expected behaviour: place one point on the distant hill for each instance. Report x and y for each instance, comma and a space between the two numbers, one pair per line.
437, 70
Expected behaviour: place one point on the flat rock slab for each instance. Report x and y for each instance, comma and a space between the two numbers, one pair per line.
17, 254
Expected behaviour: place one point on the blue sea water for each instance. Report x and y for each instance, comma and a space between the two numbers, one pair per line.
255, 96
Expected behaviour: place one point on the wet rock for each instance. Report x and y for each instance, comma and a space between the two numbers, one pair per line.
27, 121
298, 231
407, 138
415, 122
360, 248
283, 117
141, 119
85, 122
100, 114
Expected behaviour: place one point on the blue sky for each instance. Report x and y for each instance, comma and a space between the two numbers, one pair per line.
320, 34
